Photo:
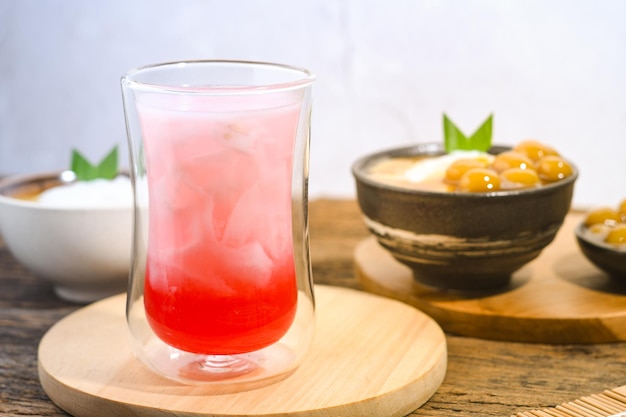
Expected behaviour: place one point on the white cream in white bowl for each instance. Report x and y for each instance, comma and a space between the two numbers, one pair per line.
76, 235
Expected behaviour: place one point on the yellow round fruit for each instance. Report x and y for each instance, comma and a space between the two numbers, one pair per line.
459, 167
553, 168
535, 150
622, 210
515, 178
479, 180
617, 235
511, 159
604, 215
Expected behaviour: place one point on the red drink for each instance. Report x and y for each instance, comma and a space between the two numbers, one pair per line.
220, 275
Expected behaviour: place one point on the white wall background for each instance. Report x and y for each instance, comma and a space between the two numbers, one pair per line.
554, 70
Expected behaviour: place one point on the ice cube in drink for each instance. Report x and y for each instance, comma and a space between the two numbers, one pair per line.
220, 275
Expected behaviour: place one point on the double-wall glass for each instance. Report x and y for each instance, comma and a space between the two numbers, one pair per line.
221, 289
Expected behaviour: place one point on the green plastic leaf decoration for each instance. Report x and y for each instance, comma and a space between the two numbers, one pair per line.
481, 139
82, 167
107, 168
455, 140
86, 171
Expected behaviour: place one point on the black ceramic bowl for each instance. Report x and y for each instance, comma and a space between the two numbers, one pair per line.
607, 257
456, 240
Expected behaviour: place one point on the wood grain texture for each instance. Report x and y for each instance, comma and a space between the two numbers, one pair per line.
559, 297
484, 377
358, 365
605, 404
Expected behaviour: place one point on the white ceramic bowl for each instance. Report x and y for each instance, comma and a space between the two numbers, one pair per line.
85, 252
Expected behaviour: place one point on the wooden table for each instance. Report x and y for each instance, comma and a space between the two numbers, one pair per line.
484, 378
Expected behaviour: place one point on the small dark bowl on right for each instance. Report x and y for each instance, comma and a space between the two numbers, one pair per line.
609, 258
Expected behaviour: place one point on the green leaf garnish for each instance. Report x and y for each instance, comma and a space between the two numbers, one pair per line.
86, 171
455, 140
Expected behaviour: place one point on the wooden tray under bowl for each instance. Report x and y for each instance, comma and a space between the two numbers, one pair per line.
371, 356
559, 297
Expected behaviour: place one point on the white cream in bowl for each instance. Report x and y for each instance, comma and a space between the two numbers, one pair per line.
98, 193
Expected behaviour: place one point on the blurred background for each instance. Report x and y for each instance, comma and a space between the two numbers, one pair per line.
554, 70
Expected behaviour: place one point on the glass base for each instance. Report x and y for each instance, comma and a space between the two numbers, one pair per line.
225, 373
217, 368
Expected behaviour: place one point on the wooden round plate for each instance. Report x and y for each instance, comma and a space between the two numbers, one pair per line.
559, 297
371, 356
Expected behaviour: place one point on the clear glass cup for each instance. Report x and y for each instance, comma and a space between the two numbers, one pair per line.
221, 289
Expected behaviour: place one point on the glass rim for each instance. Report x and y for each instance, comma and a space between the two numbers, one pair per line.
129, 79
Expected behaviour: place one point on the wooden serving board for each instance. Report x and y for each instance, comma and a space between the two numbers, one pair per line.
370, 356
559, 297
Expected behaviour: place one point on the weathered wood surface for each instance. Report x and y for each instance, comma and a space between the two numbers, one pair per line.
484, 378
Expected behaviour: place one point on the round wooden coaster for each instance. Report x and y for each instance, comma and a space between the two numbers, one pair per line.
559, 297
371, 356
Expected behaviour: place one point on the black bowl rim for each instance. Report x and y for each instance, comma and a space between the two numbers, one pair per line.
434, 148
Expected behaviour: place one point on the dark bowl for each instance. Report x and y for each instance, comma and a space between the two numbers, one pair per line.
603, 255
456, 240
